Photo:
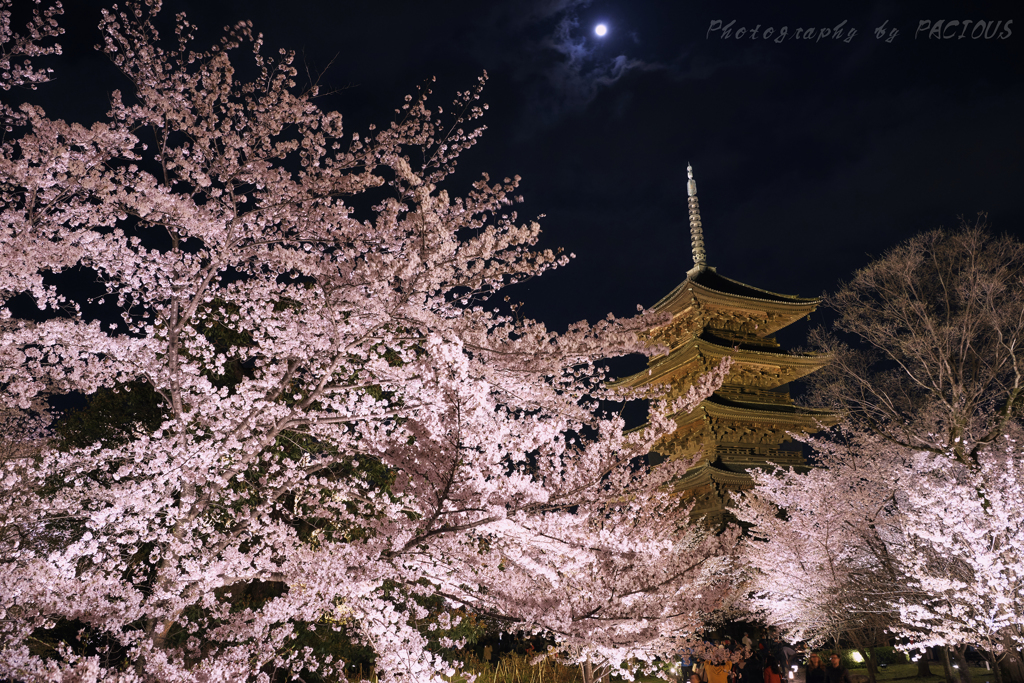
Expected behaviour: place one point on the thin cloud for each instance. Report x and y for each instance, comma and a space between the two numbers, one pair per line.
571, 66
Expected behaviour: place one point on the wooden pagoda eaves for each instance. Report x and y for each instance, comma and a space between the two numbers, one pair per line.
748, 422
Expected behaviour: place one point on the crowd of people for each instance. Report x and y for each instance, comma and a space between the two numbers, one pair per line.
766, 661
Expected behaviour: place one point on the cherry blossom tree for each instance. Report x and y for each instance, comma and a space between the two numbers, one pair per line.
18, 49
912, 521
22, 427
817, 550
622, 589
915, 545
964, 553
337, 422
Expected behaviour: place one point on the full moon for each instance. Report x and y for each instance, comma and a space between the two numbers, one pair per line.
601, 30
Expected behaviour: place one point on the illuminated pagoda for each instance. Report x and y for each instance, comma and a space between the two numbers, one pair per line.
746, 422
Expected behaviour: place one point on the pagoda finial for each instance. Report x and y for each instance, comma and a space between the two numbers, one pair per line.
696, 231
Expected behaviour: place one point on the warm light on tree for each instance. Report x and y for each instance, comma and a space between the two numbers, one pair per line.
912, 524
311, 417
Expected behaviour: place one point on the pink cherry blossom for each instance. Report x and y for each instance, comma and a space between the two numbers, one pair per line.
389, 431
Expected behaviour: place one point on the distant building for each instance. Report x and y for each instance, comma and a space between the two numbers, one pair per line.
745, 423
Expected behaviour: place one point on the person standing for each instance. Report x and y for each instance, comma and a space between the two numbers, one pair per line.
741, 672
747, 642
685, 667
772, 672
779, 652
815, 669
717, 673
760, 655
789, 656
837, 673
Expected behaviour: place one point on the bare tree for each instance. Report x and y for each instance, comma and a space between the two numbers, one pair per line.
940, 321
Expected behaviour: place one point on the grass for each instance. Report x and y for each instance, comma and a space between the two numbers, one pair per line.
513, 668
516, 668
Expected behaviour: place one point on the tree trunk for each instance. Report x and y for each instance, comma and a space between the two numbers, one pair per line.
993, 661
868, 655
1012, 665
592, 674
946, 668
922, 666
961, 661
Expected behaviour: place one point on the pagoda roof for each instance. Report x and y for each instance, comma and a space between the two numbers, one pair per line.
664, 367
711, 279
707, 471
807, 419
706, 286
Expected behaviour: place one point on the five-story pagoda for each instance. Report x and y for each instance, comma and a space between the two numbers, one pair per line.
746, 423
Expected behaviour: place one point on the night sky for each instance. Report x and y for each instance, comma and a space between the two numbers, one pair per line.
810, 155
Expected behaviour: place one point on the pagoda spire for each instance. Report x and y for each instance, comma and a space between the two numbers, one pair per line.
696, 231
